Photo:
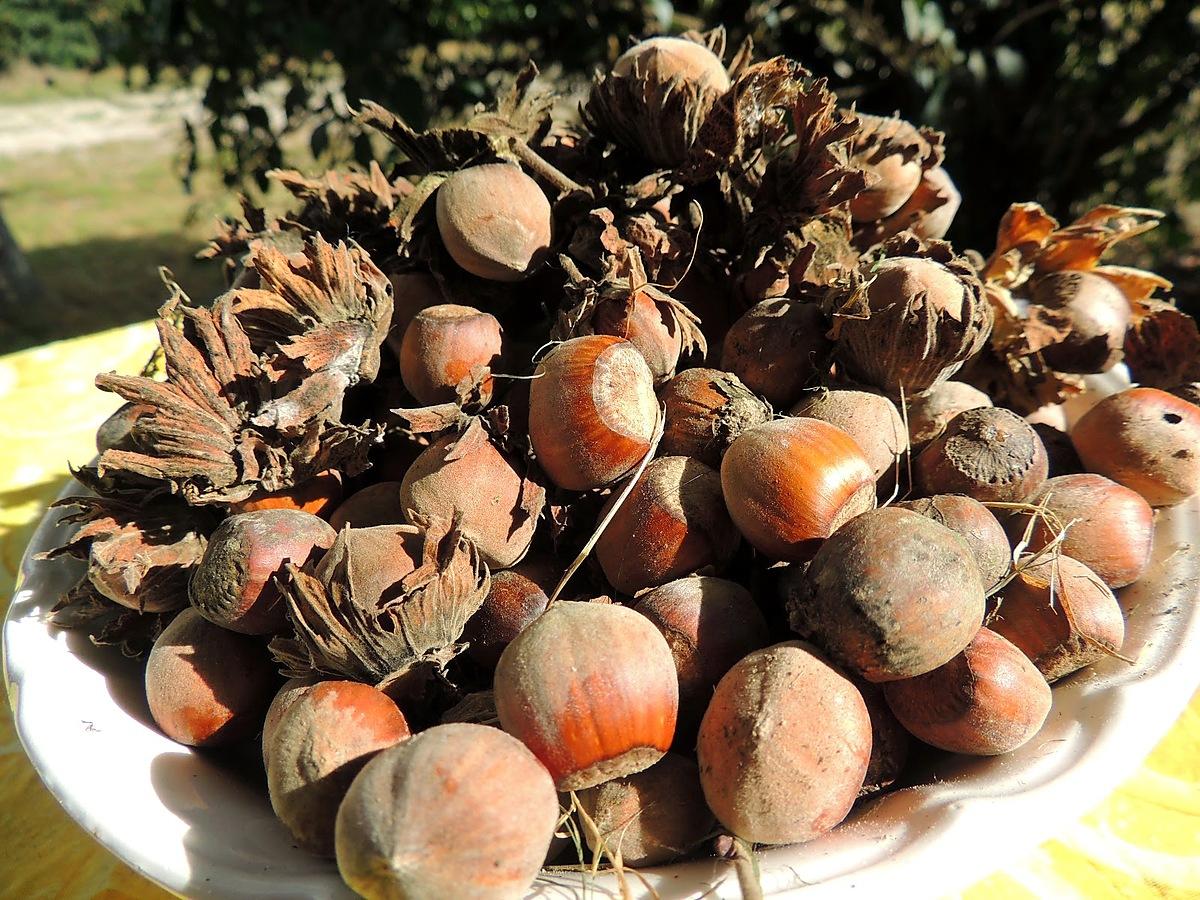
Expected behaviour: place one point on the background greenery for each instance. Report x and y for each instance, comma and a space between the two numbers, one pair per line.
1060, 101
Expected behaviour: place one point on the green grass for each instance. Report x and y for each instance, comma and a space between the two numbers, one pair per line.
24, 82
95, 225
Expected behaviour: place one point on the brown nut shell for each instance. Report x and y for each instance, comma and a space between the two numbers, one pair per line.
459, 810
1145, 439
988, 454
1111, 527
929, 413
790, 483
673, 523
517, 597
592, 411
987, 700
778, 764
376, 504
442, 345
323, 740
494, 221
871, 419
710, 624
650, 817
705, 410
974, 523
890, 595
233, 584
672, 60
777, 348
591, 689
1061, 615
208, 686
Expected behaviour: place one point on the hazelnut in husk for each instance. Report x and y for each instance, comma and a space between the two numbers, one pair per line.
658, 95
1094, 315
911, 319
470, 476
705, 410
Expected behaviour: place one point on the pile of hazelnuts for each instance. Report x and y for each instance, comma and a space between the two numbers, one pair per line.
780, 567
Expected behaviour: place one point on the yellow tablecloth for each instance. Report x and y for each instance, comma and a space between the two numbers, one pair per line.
1142, 841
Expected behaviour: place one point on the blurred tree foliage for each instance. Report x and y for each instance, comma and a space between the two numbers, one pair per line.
1058, 101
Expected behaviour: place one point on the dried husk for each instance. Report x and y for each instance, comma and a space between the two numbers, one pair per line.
1029, 244
799, 231
609, 306
254, 386
654, 118
139, 551
907, 343
339, 632
879, 137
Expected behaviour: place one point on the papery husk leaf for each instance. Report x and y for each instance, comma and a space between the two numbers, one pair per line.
142, 547
458, 413
229, 422
1010, 369
106, 623
1030, 241
753, 113
234, 236
879, 137
330, 288
377, 640
436, 150
520, 114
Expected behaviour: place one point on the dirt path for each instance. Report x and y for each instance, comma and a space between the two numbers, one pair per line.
52, 126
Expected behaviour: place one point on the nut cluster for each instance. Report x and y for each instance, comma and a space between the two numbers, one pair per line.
540, 507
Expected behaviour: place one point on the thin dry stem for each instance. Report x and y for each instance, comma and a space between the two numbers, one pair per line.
745, 864
543, 169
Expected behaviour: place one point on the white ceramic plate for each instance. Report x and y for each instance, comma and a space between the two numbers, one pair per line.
186, 822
